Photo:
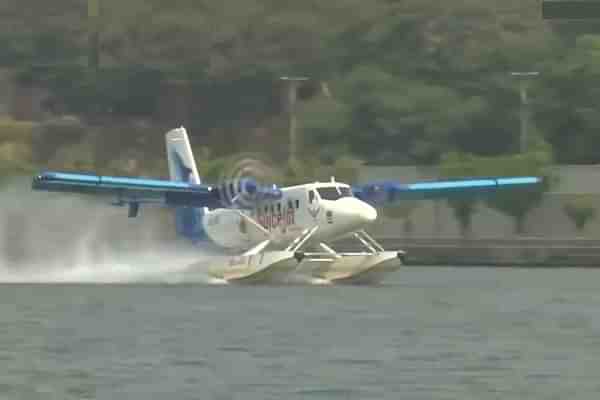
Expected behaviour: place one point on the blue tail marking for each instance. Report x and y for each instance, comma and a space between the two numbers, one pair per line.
188, 221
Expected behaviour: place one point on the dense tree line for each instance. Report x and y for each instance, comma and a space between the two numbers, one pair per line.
408, 80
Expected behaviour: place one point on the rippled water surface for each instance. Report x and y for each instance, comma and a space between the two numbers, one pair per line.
429, 333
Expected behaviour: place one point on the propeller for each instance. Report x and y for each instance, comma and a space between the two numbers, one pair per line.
246, 181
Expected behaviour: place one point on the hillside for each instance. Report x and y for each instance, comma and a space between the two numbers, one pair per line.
407, 81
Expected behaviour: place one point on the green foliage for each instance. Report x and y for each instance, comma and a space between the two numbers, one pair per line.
302, 171
38, 47
410, 80
463, 211
53, 134
401, 210
130, 91
515, 203
324, 122
15, 159
580, 210
229, 168
80, 157
518, 203
569, 91
458, 165
344, 169
224, 169
414, 117
15, 147
16, 131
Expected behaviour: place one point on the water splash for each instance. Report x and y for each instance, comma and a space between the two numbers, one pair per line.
303, 279
55, 238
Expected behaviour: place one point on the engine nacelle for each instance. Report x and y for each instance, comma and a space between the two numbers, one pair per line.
245, 193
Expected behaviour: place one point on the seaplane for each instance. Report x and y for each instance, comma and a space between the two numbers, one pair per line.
269, 233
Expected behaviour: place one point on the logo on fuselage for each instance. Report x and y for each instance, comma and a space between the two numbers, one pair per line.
314, 211
277, 219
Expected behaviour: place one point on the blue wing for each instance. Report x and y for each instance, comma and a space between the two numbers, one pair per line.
136, 191
385, 192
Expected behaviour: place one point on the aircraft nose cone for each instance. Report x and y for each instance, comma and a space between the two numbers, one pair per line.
366, 213
353, 213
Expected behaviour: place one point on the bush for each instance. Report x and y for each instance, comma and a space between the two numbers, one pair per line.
131, 90
456, 165
401, 210
580, 211
16, 131
54, 134
515, 203
345, 169
15, 147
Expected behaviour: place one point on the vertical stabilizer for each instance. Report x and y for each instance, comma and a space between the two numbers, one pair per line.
182, 166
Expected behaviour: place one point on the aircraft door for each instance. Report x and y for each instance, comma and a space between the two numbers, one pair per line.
313, 204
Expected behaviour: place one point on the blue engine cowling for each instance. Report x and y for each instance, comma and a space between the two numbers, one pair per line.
245, 193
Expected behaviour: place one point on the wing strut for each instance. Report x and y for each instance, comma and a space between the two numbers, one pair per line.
134, 209
300, 240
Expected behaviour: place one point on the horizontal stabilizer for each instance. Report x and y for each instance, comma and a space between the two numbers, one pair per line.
380, 193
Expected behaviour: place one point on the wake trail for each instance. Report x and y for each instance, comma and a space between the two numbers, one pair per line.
56, 238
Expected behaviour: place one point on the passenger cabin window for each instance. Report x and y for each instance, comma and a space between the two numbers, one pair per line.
297, 203
278, 207
290, 205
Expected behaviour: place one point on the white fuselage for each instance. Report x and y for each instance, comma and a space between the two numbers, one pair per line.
330, 206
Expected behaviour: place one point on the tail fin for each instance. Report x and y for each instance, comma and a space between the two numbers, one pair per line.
182, 166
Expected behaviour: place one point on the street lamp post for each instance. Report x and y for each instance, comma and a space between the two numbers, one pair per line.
292, 86
523, 76
93, 34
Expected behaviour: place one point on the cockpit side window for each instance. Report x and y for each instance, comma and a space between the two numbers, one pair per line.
311, 196
345, 191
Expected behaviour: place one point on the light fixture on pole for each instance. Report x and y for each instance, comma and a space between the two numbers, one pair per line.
523, 76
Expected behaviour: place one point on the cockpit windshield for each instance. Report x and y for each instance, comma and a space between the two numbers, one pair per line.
334, 192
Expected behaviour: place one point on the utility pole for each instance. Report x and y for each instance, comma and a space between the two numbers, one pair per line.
94, 34
292, 94
524, 113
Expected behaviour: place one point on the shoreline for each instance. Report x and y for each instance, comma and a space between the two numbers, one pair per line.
497, 253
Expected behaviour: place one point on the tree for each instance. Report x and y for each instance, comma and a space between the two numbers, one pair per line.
401, 210
568, 92
518, 203
398, 120
458, 165
324, 123
515, 203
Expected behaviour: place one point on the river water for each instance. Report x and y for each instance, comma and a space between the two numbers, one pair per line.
427, 333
